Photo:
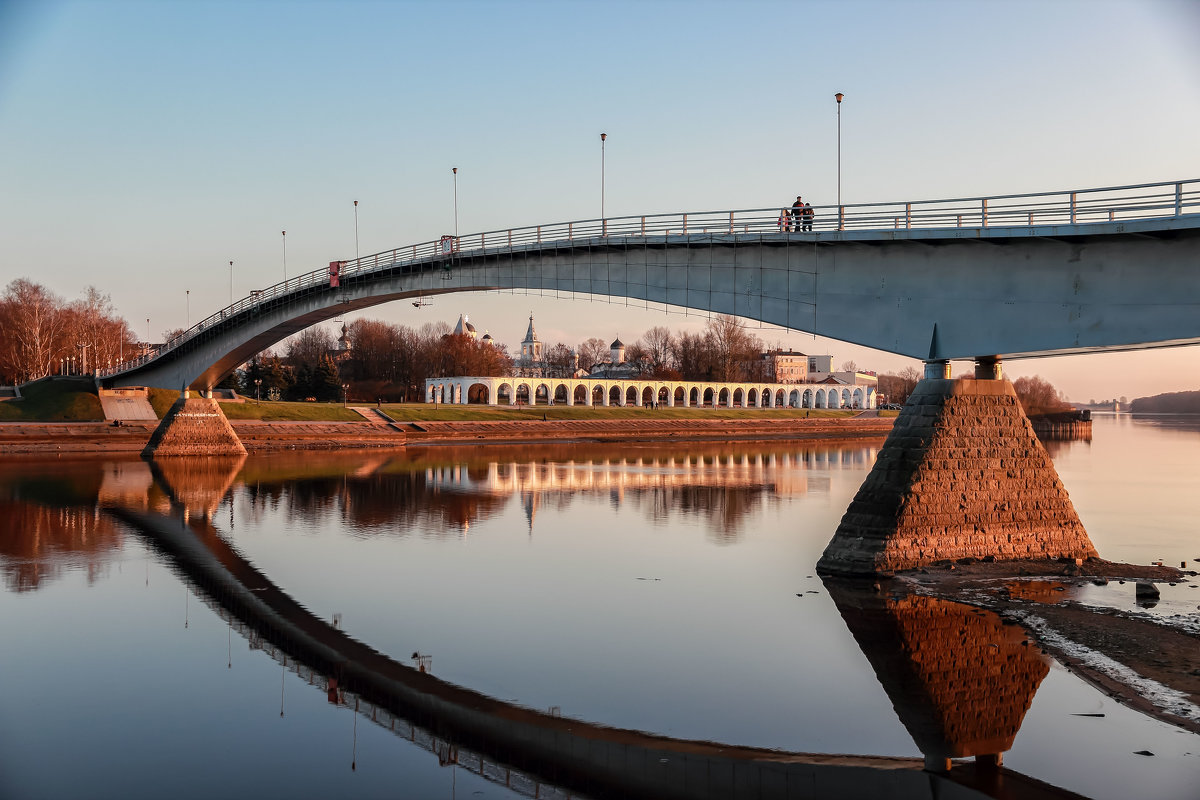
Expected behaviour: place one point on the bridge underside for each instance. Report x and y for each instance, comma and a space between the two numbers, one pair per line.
951, 294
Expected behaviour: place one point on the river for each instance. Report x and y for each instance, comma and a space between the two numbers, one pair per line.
660, 589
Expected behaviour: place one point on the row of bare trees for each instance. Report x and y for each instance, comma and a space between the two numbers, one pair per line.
724, 351
392, 361
1037, 395
46, 335
385, 361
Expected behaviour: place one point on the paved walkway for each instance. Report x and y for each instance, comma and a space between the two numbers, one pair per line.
127, 407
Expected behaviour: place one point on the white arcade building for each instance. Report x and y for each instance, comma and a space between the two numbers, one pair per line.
587, 391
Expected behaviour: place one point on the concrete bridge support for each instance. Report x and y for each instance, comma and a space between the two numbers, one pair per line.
961, 475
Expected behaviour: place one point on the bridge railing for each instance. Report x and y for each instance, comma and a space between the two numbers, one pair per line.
1030, 211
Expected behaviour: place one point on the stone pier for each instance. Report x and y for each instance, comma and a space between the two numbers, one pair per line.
194, 426
961, 475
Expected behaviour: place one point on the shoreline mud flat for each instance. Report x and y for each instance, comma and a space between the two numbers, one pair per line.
1144, 661
104, 438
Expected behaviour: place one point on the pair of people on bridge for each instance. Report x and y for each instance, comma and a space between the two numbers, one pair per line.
800, 218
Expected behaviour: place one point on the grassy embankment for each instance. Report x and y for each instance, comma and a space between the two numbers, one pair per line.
58, 400
421, 411
281, 411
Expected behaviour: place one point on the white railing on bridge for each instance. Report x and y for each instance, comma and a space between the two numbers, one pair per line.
1037, 210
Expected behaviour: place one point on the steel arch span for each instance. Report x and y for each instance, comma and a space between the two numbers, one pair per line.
1025, 276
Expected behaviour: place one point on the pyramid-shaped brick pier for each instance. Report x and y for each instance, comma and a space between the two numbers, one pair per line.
962, 474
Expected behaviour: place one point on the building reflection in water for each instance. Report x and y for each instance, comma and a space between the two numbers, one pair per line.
443, 494
959, 678
49, 520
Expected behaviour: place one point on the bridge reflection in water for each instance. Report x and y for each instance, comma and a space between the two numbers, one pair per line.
959, 679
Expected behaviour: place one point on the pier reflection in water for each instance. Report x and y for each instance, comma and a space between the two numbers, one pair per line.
922, 657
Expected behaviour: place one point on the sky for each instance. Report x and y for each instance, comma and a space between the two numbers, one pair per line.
144, 145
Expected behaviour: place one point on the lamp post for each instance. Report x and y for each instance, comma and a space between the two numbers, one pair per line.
231, 284
147, 333
356, 229
603, 136
455, 171
258, 391
284, 235
345, 394
839, 97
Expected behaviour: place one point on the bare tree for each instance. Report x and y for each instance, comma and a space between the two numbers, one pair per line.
34, 327
1038, 396
306, 348
593, 351
694, 357
637, 357
735, 351
658, 344
560, 361
849, 366
897, 388
373, 349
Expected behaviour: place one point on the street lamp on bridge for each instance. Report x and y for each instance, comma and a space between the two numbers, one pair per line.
284, 235
455, 171
603, 136
355, 229
839, 97
231, 283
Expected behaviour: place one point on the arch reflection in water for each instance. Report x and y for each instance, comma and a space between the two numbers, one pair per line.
495, 738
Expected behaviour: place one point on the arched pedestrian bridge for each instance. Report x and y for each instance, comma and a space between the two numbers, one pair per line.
1018, 275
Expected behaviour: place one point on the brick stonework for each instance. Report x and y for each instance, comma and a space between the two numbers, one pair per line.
962, 474
959, 678
194, 426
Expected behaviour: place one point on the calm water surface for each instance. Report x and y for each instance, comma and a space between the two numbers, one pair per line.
666, 590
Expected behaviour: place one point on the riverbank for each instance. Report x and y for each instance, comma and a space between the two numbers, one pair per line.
259, 436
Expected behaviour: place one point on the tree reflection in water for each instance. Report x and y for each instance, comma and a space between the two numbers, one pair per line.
442, 493
49, 519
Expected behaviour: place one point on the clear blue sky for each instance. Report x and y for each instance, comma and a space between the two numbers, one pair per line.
143, 145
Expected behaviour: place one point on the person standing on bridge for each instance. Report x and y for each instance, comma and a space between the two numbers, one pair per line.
808, 214
797, 210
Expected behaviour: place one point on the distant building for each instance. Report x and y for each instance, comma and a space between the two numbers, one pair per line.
531, 363
616, 368
820, 364
464, 328
786, 366
342, 353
